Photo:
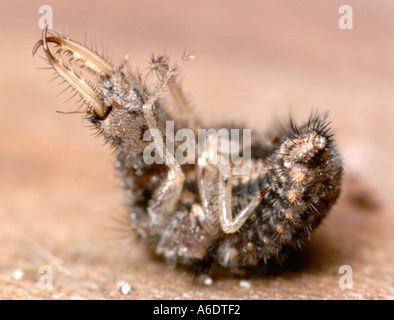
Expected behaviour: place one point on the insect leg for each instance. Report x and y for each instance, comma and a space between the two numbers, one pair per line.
180, 107
215, 187
228, 223
165, 198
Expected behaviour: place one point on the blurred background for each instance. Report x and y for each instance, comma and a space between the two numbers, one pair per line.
257, 63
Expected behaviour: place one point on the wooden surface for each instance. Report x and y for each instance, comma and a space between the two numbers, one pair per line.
256, 62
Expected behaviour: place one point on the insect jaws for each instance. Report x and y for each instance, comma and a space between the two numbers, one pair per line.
89, 59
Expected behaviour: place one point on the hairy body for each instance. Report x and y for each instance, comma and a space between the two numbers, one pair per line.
200, 216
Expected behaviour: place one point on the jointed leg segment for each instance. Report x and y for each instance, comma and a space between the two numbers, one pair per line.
215, 187
214, 181
165, 198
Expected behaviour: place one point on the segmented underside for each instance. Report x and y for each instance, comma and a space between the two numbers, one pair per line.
301, 169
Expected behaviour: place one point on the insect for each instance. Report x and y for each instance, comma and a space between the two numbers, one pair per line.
201, 216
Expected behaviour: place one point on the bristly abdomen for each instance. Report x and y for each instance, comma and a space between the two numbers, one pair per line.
303, 172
